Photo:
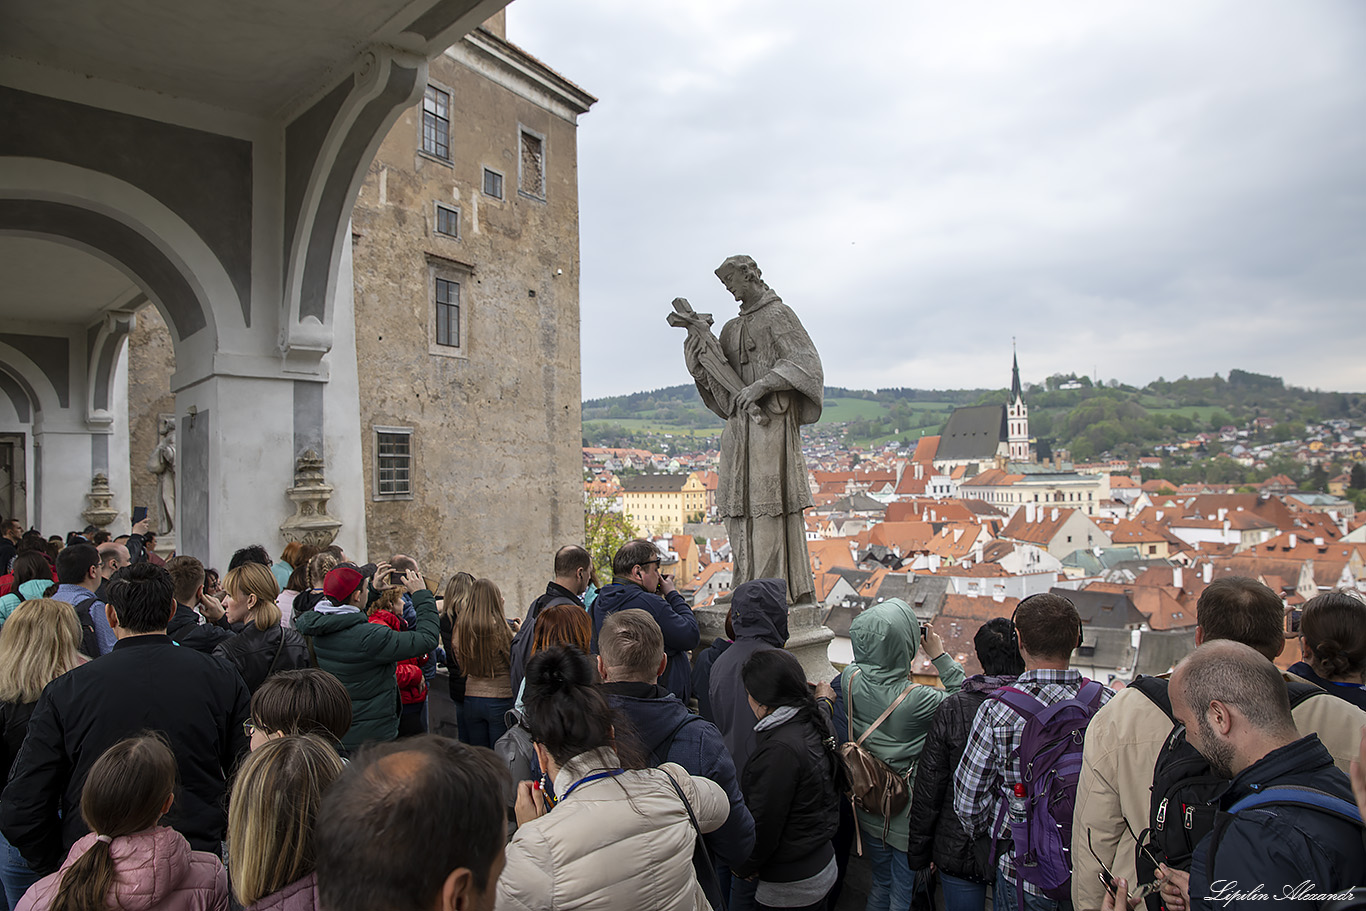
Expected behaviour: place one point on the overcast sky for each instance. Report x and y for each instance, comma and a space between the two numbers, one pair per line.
1131, 188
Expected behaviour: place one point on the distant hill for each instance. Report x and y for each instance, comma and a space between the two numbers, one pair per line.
1069, 411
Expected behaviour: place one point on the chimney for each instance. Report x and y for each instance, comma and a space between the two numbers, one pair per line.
1226, 525
958, 533
1294, 540
1029, 513
1209, 572
1055, 514
1176, 577
1160, 514
1222, 512
1318, 542
919, 471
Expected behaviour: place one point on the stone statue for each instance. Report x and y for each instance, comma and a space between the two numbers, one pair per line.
764, 378
162, 464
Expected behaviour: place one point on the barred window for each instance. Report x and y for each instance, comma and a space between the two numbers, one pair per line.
436, 123
393, 462
447, 313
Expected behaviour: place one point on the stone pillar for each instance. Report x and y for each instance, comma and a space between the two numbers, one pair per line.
806, 637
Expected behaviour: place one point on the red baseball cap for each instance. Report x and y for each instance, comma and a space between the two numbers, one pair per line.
341, 583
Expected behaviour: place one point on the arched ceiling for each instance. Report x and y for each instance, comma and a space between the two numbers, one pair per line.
50, 282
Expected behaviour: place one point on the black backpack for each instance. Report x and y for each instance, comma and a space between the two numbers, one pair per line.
1185, 791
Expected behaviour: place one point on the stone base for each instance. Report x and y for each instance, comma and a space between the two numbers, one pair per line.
806, 637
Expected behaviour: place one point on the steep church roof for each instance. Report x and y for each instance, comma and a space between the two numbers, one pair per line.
1016, 392
975, 432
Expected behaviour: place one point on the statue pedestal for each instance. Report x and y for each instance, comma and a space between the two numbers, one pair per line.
806, 637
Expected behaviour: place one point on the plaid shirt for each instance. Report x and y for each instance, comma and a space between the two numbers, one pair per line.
990, 769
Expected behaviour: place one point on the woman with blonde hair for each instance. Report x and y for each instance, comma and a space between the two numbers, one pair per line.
38, 644
274, 805
127, 860
264, 645
483, 645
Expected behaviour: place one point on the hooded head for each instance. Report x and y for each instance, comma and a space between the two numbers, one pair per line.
758, 610
885, 638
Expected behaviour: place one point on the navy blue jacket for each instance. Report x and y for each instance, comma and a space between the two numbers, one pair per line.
758, 614
1278, 848
654, 714
701, 676
675, 619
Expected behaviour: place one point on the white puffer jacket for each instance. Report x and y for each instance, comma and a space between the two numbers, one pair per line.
614, 843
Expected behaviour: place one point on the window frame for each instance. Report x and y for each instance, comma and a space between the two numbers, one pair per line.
434, 155
524, 130
376, 492
438, 208
461, 275
502, 183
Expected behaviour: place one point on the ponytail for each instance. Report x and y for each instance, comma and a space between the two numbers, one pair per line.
85, 884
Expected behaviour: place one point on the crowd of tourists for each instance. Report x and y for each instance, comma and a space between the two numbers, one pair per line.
170, 742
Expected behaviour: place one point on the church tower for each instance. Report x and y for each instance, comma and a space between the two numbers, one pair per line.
1017, 419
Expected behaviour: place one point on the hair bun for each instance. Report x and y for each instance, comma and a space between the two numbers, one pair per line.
557, 669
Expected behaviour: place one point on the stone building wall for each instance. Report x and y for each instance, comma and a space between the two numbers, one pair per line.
151, 361
496, 466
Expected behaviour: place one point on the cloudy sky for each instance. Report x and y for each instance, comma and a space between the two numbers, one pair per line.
1128, 188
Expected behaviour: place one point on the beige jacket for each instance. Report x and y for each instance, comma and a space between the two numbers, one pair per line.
615, 843
1115, 788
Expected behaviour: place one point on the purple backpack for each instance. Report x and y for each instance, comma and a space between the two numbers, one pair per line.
1050, 764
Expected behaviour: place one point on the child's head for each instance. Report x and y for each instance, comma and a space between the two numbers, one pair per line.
275, 801
128, 790
304, 701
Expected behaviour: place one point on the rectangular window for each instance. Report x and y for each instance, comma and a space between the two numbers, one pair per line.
447, 313
393, 463
447, 221
436, 123
493, 183
531, 165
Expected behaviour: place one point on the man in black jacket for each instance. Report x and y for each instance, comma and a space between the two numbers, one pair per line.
573, 570
187, 576
146, 682
1236, 712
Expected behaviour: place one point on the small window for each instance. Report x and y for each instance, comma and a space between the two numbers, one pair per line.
447, 313
531, 164
447, 221
493, 183
393, 463
436, 123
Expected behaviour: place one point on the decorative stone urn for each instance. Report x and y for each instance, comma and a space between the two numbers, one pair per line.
310, 523
101, 511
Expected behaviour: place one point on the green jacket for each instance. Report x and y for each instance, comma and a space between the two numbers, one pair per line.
363, 656
885, 638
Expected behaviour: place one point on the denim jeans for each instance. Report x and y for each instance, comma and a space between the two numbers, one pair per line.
1006, 900
963, 894
485, 719
893, 879
14, 873
741, 894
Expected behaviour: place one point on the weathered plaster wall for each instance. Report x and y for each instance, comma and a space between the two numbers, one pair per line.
497, 466
151, 361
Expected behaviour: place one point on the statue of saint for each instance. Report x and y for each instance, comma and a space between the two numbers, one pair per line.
162, 464
764, 378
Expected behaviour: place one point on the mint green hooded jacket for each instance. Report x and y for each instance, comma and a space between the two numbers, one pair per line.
885, 638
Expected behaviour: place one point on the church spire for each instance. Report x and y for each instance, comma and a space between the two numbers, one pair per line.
1016, 393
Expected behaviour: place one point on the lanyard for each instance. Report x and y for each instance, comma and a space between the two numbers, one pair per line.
587, 778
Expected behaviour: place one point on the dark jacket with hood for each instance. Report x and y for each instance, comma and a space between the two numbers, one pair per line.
1281, 847
675, 619
758, 614
667, 732
555, 593
258, 653
1354, 693
936, 833
364, 657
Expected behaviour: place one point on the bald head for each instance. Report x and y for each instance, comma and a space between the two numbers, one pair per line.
1234, 704
113, 557
573, 568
